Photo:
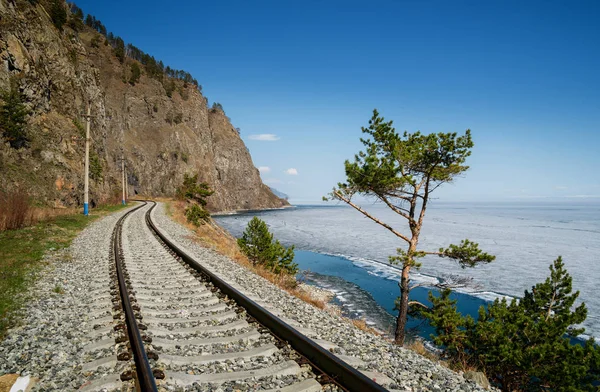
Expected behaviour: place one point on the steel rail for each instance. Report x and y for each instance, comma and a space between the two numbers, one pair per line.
339, 371
145, 378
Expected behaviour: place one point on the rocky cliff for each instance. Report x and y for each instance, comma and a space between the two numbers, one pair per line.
161, 134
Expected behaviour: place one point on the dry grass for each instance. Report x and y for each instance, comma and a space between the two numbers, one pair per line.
363, 326
418, 347
306, 297
16, 211
214, 237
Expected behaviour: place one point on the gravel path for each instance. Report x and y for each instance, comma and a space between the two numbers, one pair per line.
49, 342
407, 371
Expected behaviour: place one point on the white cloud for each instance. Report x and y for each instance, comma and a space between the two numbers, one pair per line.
264, 137
291, 171
264, 169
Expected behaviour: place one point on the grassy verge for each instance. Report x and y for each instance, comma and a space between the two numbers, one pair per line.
22, 253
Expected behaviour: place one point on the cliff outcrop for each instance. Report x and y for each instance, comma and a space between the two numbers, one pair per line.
161, 133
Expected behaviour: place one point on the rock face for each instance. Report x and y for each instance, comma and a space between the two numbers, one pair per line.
161, 137
478, 377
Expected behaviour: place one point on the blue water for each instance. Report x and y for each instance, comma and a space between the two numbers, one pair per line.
348, 253
361, 295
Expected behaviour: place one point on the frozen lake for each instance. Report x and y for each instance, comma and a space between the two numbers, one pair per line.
525, 237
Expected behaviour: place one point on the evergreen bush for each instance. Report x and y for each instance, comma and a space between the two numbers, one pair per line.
196, 215
195, 193
13, 115
522, 344
257, 243
136, 72
58, 13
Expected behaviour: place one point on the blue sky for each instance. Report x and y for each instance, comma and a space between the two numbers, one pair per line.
523, 76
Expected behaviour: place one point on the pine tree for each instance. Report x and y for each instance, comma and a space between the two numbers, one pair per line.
523, 344
402, 172
257, 243
119, 48
194, 191
450, 326
13, 118
58, 13
136, 72
195, 194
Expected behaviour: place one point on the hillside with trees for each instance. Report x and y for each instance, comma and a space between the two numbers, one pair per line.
56, 60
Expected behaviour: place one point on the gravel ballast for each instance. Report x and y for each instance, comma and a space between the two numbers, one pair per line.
55, 327
407, 370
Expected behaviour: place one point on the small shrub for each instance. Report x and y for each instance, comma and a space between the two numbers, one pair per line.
178, 118
95, 42
73, 56
185, 95
191, 190
169, 86
15, 210
195, 193
58, 13
80, 128
75, 23
218, 106
257, 243
196, 215
95, 167
184, 157
12, 118
136, 72
58, 289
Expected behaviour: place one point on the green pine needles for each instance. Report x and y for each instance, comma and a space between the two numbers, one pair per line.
13, 118
257, 243
522, 344
195, 194
402, 171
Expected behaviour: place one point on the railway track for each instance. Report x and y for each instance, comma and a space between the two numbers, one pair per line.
177, 326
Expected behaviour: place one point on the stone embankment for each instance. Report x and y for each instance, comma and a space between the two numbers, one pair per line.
59, 326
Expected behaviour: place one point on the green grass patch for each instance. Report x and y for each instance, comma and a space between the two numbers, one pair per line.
22, 252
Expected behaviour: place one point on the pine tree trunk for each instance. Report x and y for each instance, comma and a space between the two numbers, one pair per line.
403, 311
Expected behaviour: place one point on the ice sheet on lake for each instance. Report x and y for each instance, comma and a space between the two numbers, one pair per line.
525, 238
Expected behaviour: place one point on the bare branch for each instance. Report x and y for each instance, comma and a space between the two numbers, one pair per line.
397, 210
341, 197
438, 185
423, 284
399, 194
411, 303
433, 253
